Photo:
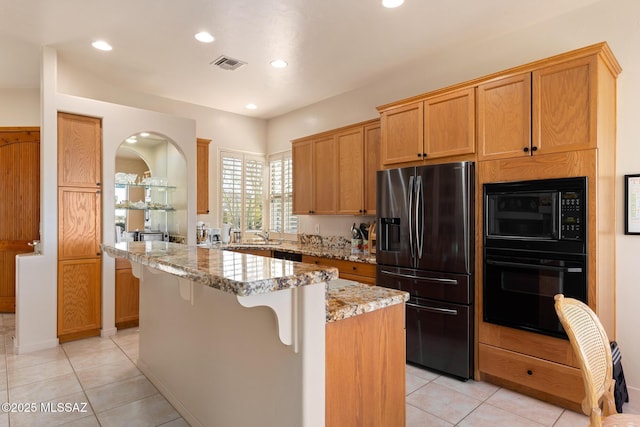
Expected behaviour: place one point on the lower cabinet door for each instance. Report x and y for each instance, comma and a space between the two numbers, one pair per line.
79, 298
127, 298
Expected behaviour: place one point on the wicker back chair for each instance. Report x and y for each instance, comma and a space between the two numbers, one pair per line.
591, 346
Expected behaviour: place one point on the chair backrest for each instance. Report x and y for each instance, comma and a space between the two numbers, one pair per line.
591, 346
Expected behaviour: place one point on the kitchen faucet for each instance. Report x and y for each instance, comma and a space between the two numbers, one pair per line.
264, 236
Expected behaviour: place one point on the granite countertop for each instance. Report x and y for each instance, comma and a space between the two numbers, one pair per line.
346, 298
244, 274
232, 272
293, 247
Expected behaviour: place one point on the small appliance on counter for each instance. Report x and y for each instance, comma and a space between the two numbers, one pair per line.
152, 235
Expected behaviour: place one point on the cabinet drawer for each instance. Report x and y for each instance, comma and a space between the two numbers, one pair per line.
357, 268
535, 345
558, 380
347, 269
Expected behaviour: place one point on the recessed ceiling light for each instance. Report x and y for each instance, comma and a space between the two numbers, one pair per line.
278, 63
101, 45
251, 106
144, 134
131, 140
392, 3
204, 37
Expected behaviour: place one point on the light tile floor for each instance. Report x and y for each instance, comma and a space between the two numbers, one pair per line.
98, 380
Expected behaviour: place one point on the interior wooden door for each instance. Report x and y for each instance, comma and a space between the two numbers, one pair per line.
19, 204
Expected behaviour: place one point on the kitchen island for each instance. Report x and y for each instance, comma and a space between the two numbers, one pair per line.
210, 342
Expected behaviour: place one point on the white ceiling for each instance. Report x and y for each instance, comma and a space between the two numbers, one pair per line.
332, 46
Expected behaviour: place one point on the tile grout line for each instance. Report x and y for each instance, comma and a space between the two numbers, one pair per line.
75, 373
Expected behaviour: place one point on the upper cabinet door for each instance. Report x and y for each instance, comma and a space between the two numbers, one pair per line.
565, 106
350, 171
202, 194
371, 166
504, 118
79, 151
302, 153
325, 175
449, 124
402, 134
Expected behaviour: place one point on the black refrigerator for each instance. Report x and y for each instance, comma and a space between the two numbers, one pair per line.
425, 246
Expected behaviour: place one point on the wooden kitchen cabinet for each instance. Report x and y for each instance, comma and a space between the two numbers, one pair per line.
325, 172
79, 223
504, 117
79, 298
365, 369
436, 127
334, 172
573, 116
202, 176
315, 169
549, 110
79, 226
79, 151
351, 176
565, 105
350, 270
371, 166
449, 124
302, 159
127, 295
402, 133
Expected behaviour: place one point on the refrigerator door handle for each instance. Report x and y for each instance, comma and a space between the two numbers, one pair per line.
419, 218
433, 309
430, 279
411, 201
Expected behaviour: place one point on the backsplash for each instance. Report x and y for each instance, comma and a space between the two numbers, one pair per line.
331, 242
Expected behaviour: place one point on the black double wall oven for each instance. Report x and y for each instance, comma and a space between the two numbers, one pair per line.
535, 246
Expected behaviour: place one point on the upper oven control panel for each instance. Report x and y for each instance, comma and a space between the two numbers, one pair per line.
571, 215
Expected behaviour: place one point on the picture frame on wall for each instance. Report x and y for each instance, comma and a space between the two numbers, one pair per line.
632, 204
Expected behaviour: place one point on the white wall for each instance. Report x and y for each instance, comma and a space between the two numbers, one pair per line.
225, 130
36, 284
19, 107
614, 21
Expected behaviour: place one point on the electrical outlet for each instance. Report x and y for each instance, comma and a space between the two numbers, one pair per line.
317, 228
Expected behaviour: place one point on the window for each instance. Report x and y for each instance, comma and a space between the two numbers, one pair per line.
242, 196
281, 218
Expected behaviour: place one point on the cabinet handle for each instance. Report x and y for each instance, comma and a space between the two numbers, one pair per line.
354, 268
424, 154
419, 154
534, 148
98, 184
526, 149
98, 192
529, 372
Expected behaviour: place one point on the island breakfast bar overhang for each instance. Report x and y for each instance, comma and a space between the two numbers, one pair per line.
209, 340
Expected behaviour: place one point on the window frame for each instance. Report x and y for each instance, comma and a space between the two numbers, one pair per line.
280, 156
244, 156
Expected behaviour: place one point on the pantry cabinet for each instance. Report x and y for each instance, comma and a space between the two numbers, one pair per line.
79, 226
334, 172
436, 127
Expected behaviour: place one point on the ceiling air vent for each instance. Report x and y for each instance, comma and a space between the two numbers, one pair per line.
228, 63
